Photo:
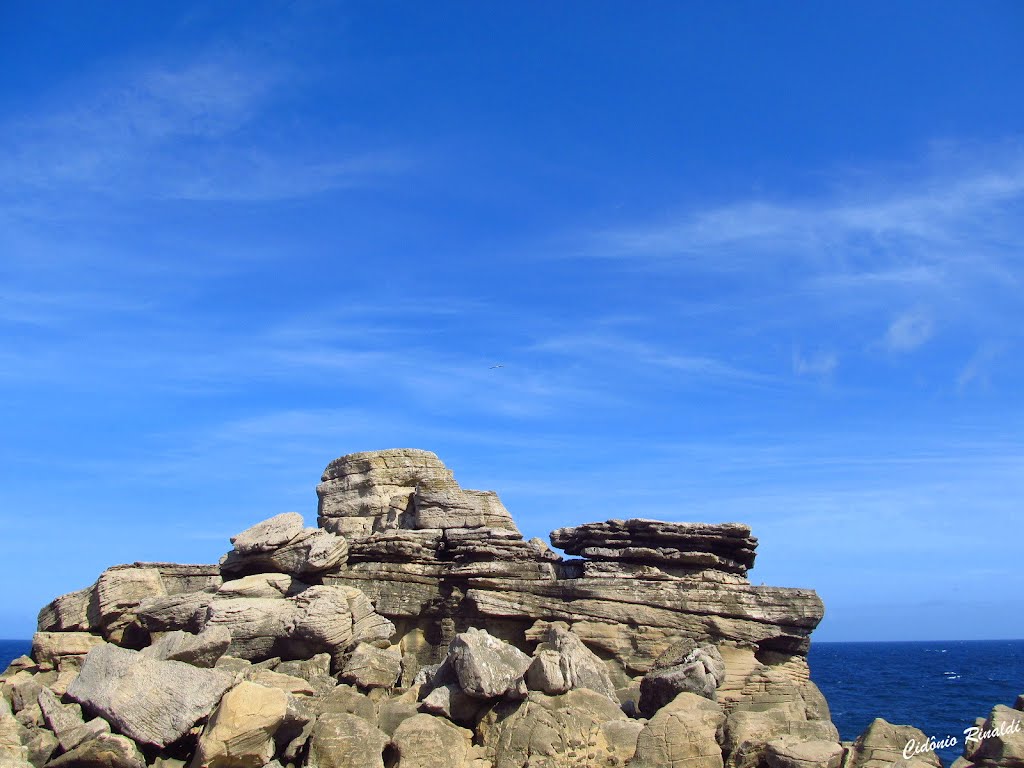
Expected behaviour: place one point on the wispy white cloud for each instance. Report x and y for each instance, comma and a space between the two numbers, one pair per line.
188, 130
608, 349
909, 330
816, 364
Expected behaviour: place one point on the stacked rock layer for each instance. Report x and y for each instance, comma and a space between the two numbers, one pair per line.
415, 626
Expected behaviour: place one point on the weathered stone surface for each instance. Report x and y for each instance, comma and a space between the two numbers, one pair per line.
578, 729
1001, 739
727, 547
320, 619
241, 730
152, 702
118, 592
449, 700
485, 666
182, 612
364, 493
344, 699
748, 731
700, 672
41, 744
423, 741
67, 723
311, 670
562, 662
793, 752
684, 732
67, 613
458, 508
341, 740
200, 650
393, 712
50, 647
270, 534
372, 667
311, 551
286, 683
12, 752
269, 585
108, 751
881, 746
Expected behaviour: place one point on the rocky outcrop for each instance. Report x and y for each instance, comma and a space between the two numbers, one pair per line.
674, 548
417, 626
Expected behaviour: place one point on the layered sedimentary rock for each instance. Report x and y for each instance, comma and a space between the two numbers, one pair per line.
417, 625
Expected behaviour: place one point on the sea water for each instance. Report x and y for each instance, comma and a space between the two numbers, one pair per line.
939, 687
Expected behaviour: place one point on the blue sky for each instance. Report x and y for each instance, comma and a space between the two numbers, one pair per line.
754, 262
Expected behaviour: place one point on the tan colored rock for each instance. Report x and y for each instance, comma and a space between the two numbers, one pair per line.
311, 551
199, 650
340, 740
1001, 739
486, 666
578, 729
50, 647
287, 683
882, 744
118, 592
372, 667
683, 734
563, 662
345, 699
109, 751
748, 731
269, 534
792, 752
423, 741
270, 585
152, 702
12, 752
67, 613
241, 730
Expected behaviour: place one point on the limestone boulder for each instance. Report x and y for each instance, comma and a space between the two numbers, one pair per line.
684, 733
1001, 739
792, 752
270, 534
578, 729
107, 751
727, 547
240, 733
347, 700
48, 648
562, 662
152, 702
269, 585
66, 722
118, 592
700, 672
881, 746
423, 741
67, 613
749, 731
341, 740
485, 666
309, 552
201, 650
372, 667
12, 752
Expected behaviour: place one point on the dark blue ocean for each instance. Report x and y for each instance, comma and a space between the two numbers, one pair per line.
939, 687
